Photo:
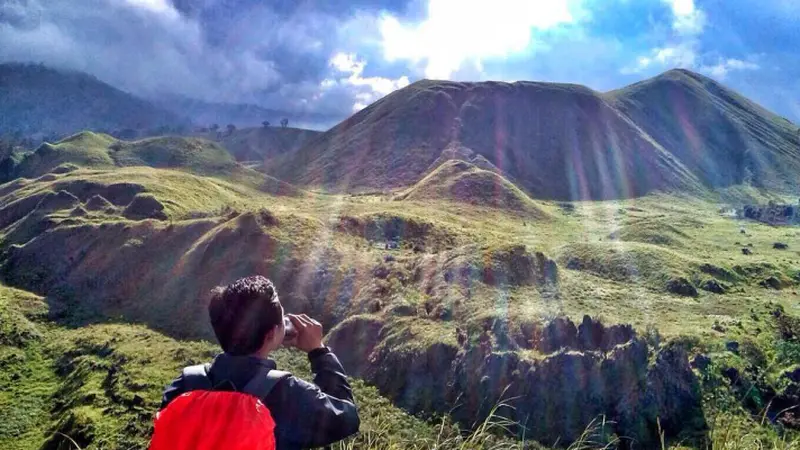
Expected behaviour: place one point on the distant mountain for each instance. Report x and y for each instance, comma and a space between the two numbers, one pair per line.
557, 141
262, 143
39, 101
241, 115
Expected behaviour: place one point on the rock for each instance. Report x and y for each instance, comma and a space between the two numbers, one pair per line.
145, 206
780, 246
681, 286
772, 283
557, 334
732, 346
713, 286
64, 168
353, 340
701, 361
403, 310
592, 335
673, 396
381, 272
747, 251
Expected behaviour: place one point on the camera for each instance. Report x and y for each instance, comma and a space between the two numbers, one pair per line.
291, 332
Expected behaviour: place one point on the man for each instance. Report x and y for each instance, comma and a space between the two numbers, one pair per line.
248, 320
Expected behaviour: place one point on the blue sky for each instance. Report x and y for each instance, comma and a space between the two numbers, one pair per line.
334, 57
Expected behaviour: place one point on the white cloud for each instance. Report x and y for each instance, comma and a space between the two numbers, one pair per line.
682, 56
370, 88
721, 69
688, 19
457, 31
161, 7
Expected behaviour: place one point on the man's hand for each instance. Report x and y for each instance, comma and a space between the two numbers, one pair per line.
309, 332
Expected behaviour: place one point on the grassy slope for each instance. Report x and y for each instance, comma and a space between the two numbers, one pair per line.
460, 181
725, 138
103, 382
99, 151
620, 280
553, 139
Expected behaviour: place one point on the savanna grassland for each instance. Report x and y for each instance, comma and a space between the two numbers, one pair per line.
478, 296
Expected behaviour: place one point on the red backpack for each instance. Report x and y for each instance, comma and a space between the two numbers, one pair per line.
204, 419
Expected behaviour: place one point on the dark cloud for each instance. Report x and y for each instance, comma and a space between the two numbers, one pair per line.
272, 53
276, 53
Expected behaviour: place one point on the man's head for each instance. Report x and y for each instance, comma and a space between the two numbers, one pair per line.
247, 316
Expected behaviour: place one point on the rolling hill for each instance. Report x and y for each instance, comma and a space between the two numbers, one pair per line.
40, 101
460, 181
100, 151
557, 141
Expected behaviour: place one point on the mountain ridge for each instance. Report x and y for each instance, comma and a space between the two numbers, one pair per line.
555, 140
41, 101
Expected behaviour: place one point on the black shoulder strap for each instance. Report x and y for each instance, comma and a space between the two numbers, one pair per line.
264, 381
195, 378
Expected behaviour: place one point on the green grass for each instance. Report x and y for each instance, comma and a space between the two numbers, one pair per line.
217, 228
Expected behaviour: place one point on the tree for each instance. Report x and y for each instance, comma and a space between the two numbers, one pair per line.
231, 128
265, 123
284, 122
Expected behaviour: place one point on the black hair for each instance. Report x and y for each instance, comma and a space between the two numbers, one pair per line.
243, 313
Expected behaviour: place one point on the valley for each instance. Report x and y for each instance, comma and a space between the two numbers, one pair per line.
556, 251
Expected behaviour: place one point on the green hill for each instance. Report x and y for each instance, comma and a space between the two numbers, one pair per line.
99, 151
679, 131
460, 181
723, 137
665, 320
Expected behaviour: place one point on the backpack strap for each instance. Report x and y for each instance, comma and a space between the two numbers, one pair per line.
264, 381
195, 378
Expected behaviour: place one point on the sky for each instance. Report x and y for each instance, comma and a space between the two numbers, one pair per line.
335, 57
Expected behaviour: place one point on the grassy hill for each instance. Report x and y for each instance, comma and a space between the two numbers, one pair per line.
472, 293
40, 101
723, 137
460, 181
99, 151
652, 320
678, 131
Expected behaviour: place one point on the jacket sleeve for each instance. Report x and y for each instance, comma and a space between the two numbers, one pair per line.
318, 414
173, 390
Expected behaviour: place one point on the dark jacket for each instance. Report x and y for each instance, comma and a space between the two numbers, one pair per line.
306, 415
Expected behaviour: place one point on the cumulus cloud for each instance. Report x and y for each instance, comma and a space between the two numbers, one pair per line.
682, 48
271, 53
458, 31
688, 19
682, 56
723, 67
369, 89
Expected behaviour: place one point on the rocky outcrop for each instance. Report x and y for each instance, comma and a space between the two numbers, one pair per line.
506, 266
588, 371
